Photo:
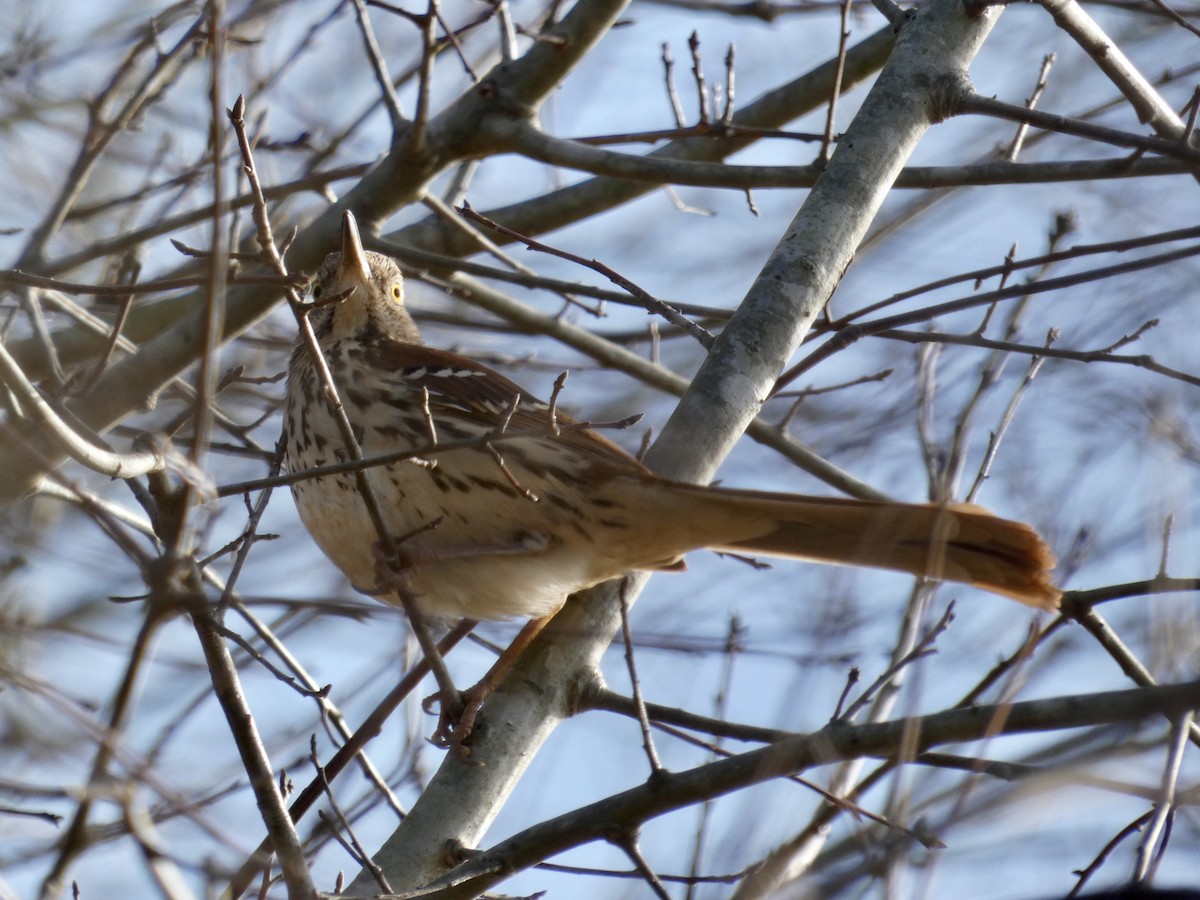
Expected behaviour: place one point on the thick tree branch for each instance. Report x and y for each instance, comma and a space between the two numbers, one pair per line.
677, 790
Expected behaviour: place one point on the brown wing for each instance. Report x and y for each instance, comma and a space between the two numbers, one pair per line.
473, 395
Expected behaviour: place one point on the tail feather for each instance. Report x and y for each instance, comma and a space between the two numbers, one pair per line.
954, 542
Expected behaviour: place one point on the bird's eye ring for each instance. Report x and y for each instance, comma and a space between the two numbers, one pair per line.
316, 291
397, 292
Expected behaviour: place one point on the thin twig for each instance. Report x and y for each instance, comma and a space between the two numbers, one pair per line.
213, 325
836, 89
1154, 840
508, 31
698, 75
387, 91
1014, 149
1086, 873
117, 291
733, 645
893, 12
416, 145
639, 702
280, 828
370, 462
853, 333
552, 408
447, 214
1085, 356
74, 839
730, 86
128, 273
978, 104
1006, 419
628, 843
370, 728
924, 647
1133, 668
360, 855
651, 303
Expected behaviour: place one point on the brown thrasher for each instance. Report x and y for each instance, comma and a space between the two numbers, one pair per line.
528, 507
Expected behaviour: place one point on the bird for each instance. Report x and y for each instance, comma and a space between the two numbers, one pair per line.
500, 506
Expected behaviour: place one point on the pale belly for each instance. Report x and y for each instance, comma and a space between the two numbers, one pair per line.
493, 572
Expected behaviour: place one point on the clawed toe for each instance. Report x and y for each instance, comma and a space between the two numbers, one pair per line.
456, 718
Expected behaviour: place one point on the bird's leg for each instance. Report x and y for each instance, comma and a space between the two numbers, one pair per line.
391, 578
455, 727
457, 710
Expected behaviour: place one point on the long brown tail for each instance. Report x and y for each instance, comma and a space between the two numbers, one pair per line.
957, 542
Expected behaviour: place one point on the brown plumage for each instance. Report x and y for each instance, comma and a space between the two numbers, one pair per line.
527, 518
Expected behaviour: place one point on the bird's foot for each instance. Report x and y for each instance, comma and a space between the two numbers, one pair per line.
457, 714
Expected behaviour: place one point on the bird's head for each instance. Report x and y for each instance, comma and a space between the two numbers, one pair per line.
359, 294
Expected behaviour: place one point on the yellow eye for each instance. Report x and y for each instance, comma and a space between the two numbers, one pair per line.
397, 292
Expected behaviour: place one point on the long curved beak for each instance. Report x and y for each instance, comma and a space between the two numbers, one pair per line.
354, 267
